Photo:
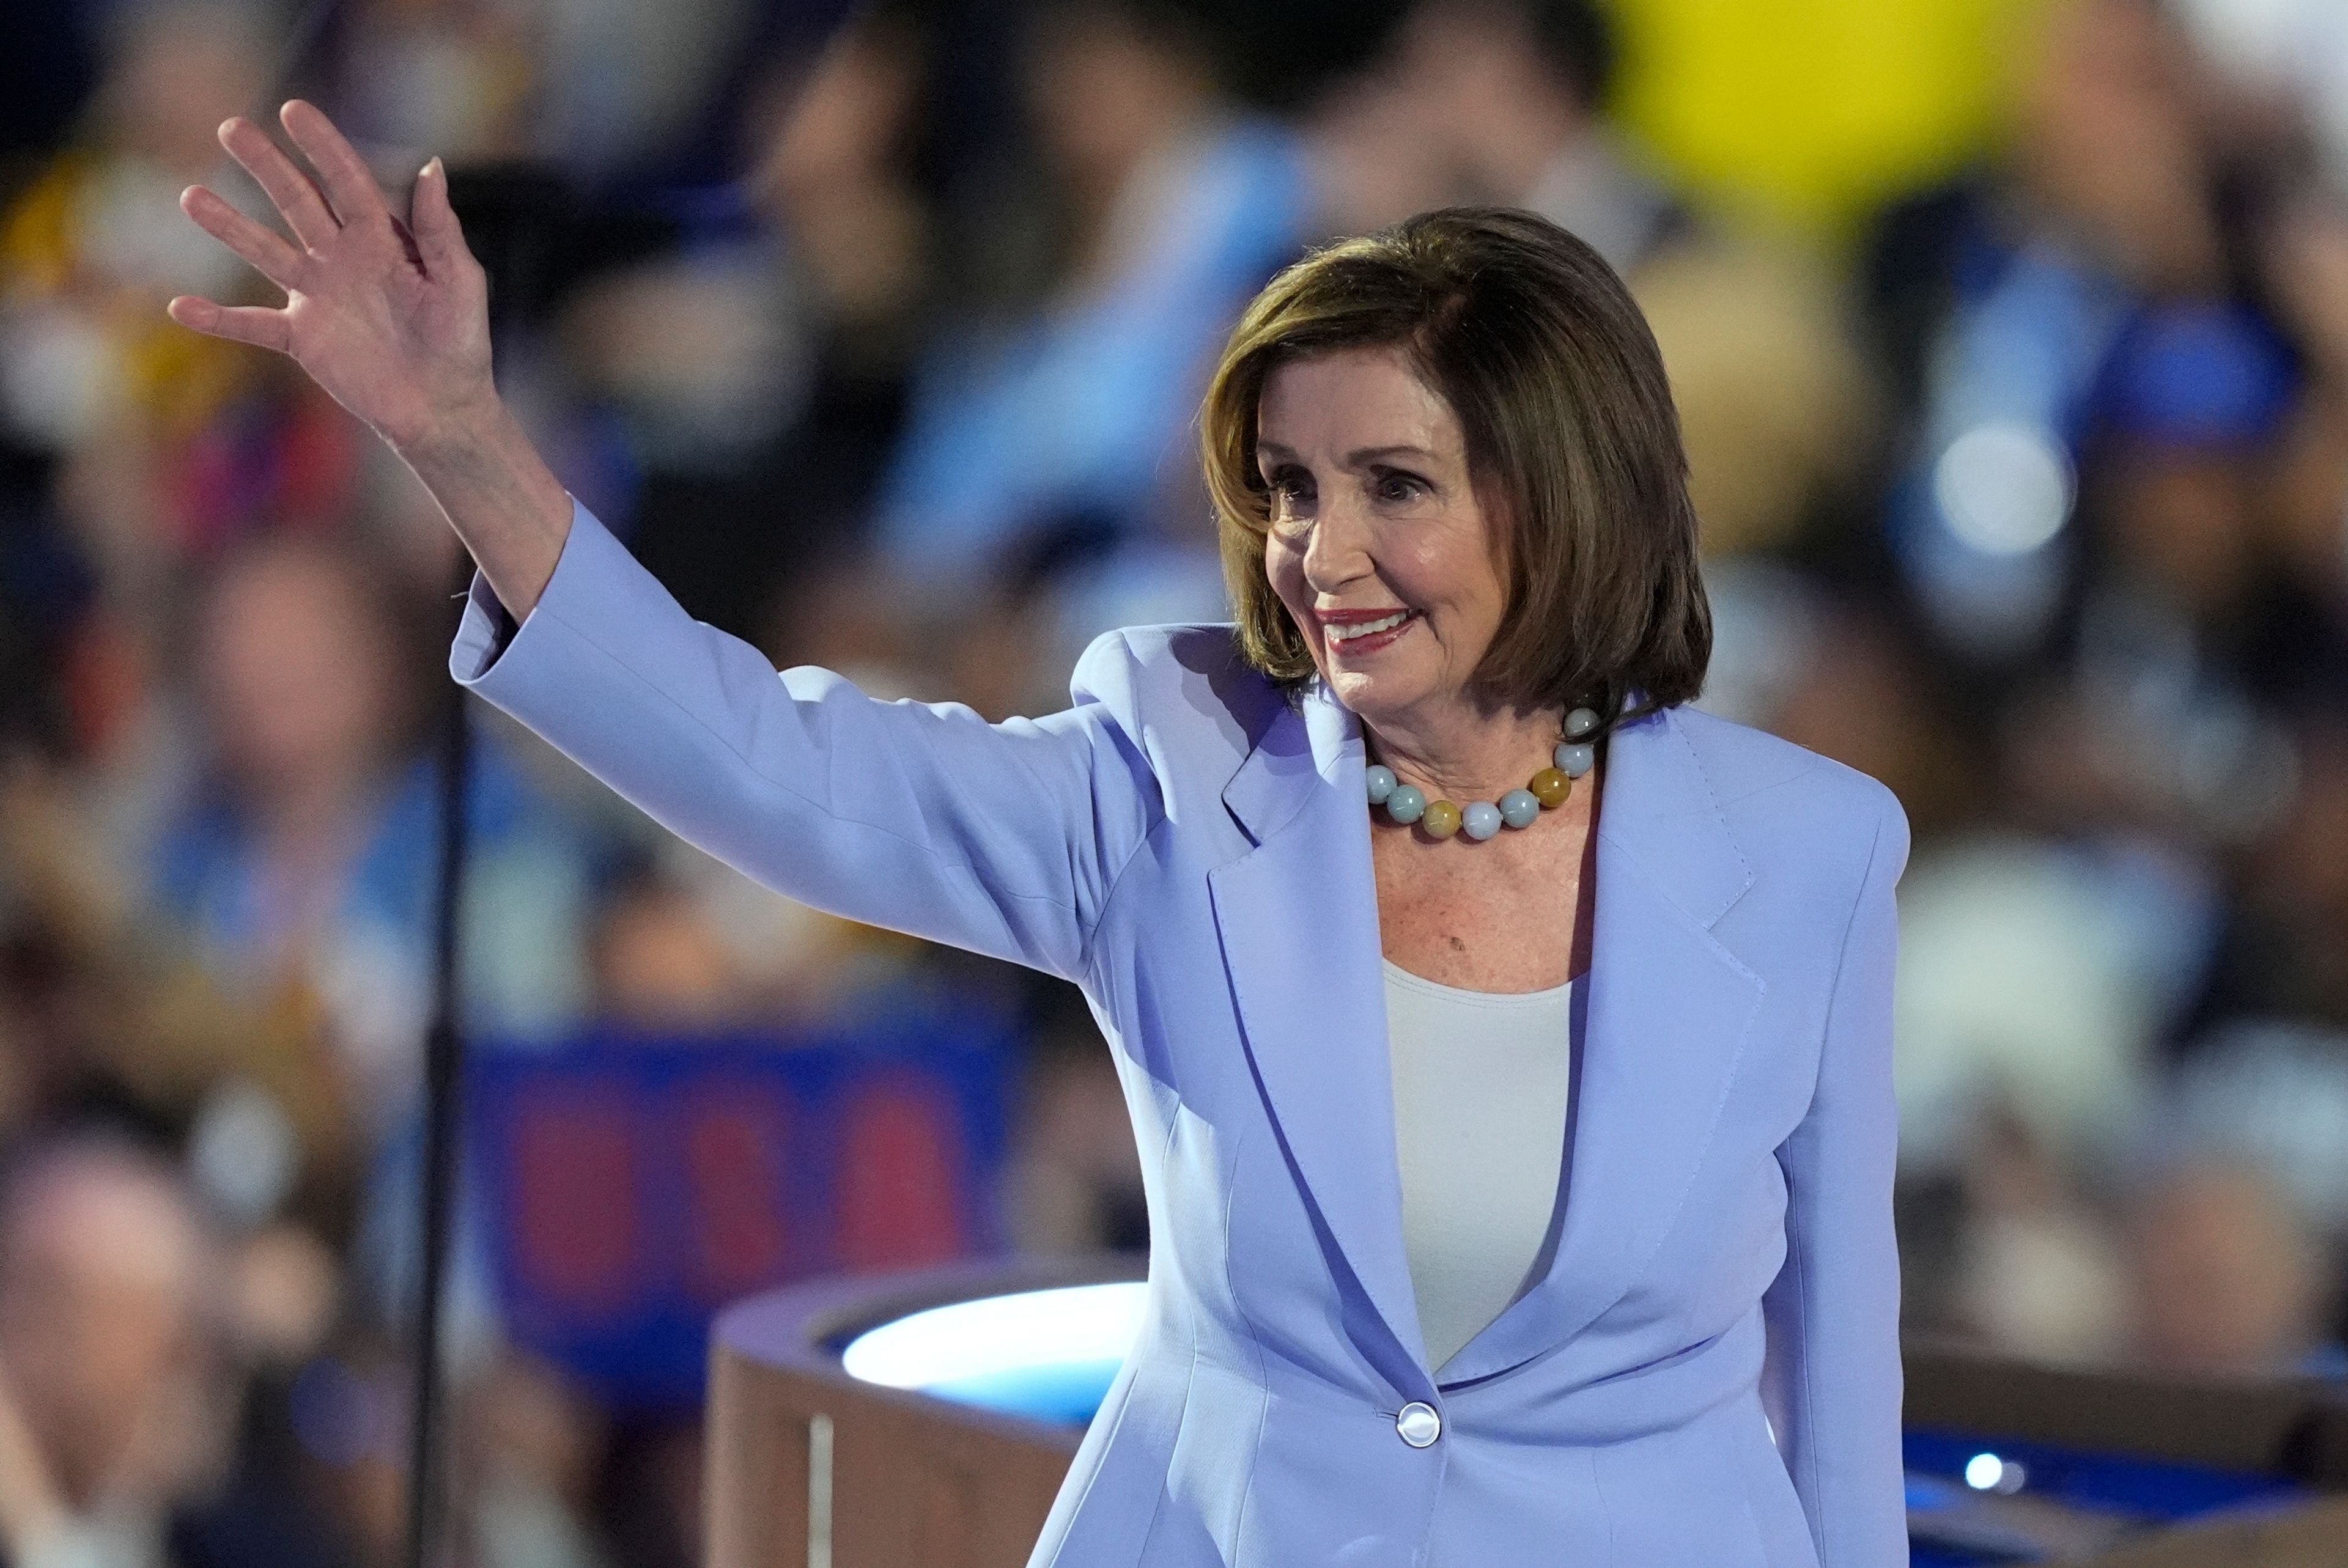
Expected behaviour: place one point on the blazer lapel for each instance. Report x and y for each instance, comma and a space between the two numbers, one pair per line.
1298, 916
1670, 1009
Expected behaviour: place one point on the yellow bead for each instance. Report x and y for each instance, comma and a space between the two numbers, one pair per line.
1442, 819
1550, 786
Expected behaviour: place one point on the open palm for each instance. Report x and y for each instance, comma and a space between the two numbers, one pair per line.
391, 318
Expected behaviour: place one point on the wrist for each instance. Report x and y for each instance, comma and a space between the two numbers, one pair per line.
457, 428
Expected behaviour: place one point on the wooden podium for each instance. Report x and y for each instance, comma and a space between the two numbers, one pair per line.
809, 1467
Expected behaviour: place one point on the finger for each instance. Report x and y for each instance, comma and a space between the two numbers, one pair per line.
350, 184
440, 238
256, 324
408, 243
268, 253
298, 199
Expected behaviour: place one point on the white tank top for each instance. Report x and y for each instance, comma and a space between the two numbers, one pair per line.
1482, 1082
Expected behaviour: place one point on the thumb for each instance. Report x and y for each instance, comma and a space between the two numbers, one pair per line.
440, 238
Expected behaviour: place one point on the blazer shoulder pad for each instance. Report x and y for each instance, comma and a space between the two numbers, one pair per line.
1744, 762
1171, 675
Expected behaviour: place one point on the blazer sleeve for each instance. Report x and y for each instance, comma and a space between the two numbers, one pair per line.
923, 817
1832, 1371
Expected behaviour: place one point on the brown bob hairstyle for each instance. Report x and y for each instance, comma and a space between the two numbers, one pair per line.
1574, 446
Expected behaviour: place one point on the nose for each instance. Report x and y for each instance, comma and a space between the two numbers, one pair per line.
1336, 552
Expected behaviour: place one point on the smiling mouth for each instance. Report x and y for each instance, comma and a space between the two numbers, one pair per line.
1371, 633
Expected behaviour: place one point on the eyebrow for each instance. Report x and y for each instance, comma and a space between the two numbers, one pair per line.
1360, 458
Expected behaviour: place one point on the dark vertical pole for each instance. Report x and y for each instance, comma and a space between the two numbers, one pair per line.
444, 1066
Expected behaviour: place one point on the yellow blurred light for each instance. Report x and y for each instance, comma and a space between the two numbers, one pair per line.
1808, 112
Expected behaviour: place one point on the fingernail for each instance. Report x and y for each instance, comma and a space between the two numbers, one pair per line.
433, 168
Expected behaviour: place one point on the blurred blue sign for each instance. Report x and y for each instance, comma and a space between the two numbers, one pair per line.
629, 1186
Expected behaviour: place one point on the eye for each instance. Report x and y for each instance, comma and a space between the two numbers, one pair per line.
1399, 485
1290, 487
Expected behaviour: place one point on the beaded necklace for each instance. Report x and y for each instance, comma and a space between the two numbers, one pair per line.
1480, 819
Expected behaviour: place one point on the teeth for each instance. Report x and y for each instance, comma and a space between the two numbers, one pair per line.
1347, 633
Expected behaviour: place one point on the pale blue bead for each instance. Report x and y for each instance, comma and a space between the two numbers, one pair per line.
1521, 808
1406, 804
1575, 758
1381, 782
1480, 819
1580, 723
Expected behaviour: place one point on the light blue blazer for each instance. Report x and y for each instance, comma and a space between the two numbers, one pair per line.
1194, 852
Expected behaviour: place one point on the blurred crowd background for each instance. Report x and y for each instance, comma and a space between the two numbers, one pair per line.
2010, 342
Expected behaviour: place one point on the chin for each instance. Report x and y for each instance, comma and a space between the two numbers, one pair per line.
1374, 695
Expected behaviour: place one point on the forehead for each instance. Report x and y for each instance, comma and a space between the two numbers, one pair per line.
1326, 405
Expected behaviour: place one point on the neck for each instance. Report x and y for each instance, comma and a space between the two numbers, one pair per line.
1465, 753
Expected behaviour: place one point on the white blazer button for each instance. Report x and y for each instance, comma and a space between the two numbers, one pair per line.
1418, 1424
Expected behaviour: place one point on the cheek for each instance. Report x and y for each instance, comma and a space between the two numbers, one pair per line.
1455, 576
1284, 568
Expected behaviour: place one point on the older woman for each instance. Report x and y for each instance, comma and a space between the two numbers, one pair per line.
1519, 1182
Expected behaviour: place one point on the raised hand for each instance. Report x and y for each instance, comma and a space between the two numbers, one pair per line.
391, 318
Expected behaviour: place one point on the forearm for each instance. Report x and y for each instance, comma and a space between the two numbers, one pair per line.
1002, 838
499, 495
